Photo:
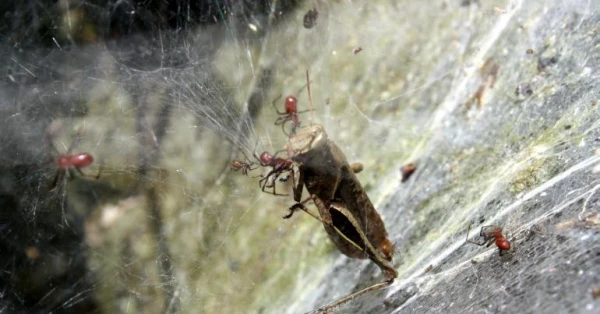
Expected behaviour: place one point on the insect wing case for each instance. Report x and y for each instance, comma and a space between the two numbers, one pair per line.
329, 178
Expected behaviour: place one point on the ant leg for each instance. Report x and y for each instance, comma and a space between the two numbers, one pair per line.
274, 183
275, 106
471, 241
468, 230
260, 175
294, 126
256, 156
250, 163
97, 176
57, 178
283, 129
265, 180
79, 171
75, 141
333, 305
282, 120
487, 231
275, 173
99, 172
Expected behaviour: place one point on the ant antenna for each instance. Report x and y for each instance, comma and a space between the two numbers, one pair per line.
309, 97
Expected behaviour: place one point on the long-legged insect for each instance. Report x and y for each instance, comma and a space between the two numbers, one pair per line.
279, 165
347, 214
68, 165
68, 161
290, 113
245, 166
491, 234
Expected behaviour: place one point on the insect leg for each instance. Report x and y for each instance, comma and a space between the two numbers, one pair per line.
333, 305
299, 186
472, 241
275, 106
80, 171
57, 178
301, 206
275, 173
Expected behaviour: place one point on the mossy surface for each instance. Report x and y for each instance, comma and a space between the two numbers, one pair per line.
526, 160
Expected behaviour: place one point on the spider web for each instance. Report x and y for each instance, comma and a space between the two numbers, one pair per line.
165, 96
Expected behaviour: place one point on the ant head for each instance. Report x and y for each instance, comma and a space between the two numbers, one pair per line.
290, 104
64, 161
266, 158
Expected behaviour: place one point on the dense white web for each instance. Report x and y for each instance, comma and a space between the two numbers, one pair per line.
165, 97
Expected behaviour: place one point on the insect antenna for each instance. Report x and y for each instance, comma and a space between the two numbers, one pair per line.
309, 97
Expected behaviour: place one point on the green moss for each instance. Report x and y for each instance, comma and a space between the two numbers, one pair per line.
528, 178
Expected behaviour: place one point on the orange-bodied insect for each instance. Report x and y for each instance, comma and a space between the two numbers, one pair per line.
69, 161
245, 166
491, 234
279, 165
290, 114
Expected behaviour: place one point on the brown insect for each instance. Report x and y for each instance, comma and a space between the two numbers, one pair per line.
596, 292
488, 72
310, 18
356, 50
491, 234
407, 171
347, 214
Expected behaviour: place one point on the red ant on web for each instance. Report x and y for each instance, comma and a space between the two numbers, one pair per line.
491, 234
291, 111
279, 165
67, 161
244, 166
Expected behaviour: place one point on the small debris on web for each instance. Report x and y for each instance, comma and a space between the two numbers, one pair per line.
407, 171
310, 18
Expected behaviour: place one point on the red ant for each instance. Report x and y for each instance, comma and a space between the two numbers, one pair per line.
69, 161
291, 113
279, 165
238, 165
291, 109
491, 234
244, 166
